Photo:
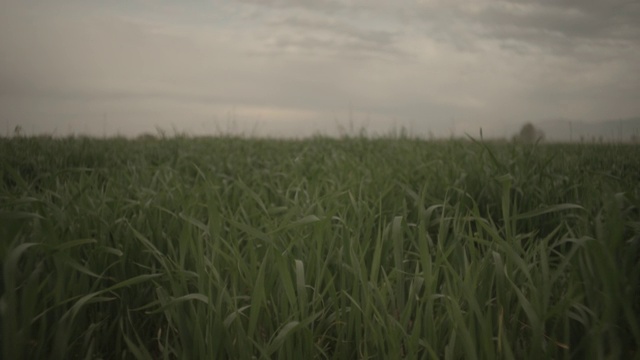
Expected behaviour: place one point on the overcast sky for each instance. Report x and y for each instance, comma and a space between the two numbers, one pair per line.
286, 67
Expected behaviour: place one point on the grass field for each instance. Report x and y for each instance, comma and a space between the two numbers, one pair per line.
348, 248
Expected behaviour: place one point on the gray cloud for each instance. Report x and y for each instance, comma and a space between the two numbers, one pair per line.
332, 36
565, 28
324, 6
300, 64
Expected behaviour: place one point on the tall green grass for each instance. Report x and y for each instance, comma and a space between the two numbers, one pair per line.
321, 248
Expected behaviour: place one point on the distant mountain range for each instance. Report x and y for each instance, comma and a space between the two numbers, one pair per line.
623, 130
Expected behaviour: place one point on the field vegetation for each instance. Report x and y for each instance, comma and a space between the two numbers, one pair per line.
353, 248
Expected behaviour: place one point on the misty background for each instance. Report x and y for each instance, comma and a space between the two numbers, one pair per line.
298, 68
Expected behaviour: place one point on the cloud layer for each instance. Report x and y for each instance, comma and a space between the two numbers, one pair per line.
285, 67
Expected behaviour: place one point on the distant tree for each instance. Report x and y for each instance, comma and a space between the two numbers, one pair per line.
529, 134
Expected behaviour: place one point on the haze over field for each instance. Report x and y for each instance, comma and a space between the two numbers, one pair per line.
293, 68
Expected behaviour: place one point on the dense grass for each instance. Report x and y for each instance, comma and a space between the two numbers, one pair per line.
349, 249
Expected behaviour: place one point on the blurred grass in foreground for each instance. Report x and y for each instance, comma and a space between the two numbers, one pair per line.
321, 248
